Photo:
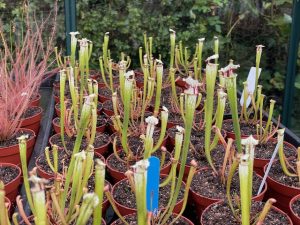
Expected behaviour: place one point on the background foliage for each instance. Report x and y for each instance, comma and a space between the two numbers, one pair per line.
240, 25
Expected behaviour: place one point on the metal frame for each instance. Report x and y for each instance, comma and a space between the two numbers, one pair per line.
292, 65
70, 21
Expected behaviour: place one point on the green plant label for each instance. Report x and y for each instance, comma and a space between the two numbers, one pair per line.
251, 85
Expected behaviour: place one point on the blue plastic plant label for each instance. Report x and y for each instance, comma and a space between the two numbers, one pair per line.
152, 184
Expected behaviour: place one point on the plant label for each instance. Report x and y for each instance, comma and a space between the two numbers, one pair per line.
153, 184
251, 85
268, 168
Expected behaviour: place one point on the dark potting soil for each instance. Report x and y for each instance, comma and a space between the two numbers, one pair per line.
31, 111
100, 140
108, 105
13, 140
246, 128
132, 220
166, 97
136, 144
217, 155
176, 118
222, 214
8, 173
265, 150
101, 120
122, 166
197, 139
208, 185
215, 104
296, 207
124, 195
63, 161
277, 174
115, 78
105, 91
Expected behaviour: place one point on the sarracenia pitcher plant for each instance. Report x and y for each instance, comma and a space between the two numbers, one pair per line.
70, 118
132, 121
138, 177
290, 167
107, 66
81, 205
244, 163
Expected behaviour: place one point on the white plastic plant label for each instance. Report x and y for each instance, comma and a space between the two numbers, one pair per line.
251, 85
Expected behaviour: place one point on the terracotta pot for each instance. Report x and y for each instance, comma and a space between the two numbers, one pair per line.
101, 149
31, 220
295, 218
182, 217
44, 174
12, 188
56, 126
103, 98
36, 101
124, 210
202, 202
118, 176
180, 82
259, 164
33, 122
281, 192
171, 124
11, 154
273, 207
107, 111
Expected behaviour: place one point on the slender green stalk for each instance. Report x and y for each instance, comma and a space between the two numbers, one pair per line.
211, 74
90, 202
62, 107
257, 62
230, 83
232, 170
244, 189
23, 156
140, 179
83, 123
159, 74
216, 48
148, 143
73, 48
76, 182
265, 134
250, 144
191, 100
99, 186
186, 192
39, 202
280, 137
199, 56
265, 211
172, 49
164, 122
127, 99
222, 96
